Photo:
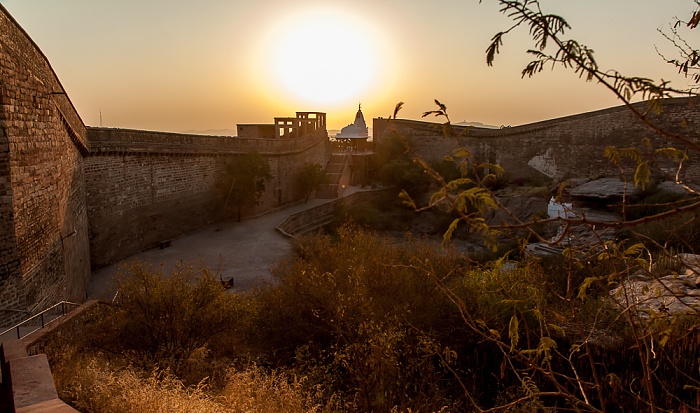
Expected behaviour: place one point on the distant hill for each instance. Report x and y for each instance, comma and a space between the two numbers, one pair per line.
476, 124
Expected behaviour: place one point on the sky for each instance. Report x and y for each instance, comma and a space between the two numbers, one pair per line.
181, 65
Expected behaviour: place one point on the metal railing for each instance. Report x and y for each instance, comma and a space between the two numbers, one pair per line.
42, 319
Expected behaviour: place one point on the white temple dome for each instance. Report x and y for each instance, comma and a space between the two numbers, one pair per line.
357, 129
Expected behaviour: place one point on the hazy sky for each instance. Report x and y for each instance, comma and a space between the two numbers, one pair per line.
177, 65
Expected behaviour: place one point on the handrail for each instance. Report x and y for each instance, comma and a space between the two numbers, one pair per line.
40, 315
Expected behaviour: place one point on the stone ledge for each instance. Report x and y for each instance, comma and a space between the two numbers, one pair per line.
31, 381
49, 406
12, 349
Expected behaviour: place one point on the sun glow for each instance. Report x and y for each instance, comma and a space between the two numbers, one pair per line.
322, 57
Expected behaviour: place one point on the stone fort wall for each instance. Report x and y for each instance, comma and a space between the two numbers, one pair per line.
146, 187
572, 146
43, 218
74, 198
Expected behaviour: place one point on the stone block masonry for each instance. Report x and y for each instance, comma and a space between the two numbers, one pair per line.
44, 240
147, 187
136, 188
572, 146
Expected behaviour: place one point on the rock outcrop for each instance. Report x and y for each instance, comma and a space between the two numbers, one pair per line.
605, 189
671, 294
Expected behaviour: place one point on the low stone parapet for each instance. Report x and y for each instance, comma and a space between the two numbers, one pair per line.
27, 383
311, 219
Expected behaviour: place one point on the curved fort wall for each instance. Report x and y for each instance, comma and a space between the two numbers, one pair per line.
72, 197
146, 187
43, 220
571, 146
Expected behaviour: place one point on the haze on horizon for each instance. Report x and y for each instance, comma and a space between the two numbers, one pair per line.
178, 65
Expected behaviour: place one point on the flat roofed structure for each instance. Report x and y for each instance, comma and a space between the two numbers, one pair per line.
260, 131
284, 127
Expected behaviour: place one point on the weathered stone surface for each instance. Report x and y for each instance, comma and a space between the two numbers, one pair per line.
576, 182
49, 406
670, 294
673, 187
572, 146
43, 221
12, 349
144, 187
522, 207
31, 380
605, 189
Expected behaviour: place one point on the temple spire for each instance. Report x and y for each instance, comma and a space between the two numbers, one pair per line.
356, 130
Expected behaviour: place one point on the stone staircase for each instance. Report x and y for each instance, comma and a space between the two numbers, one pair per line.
336, 169
26, 383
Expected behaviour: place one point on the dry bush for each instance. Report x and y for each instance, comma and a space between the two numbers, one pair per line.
93, 384
360, 315
160, 320
258, 390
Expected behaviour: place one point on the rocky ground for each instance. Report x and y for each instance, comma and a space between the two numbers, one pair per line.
662, 290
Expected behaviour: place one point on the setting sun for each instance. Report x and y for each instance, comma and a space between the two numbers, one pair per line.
322, 57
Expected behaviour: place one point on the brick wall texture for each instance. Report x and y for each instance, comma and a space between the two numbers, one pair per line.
74, 198
572, 146
44, 240
147, 187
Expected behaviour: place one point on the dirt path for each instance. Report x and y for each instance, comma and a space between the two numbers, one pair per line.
243, 250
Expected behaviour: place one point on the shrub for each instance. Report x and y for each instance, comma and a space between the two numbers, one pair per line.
358, 312
92, 386
161, 320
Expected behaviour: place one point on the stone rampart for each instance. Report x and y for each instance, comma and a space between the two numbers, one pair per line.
44, 240
564, 147
146, 187
136, 188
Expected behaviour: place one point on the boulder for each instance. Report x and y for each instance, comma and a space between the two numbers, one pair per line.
675, 188
523, 207
672, 294
576, 182
605, 189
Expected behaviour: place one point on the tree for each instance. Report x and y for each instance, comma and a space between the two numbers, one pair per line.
311, 178
396, 168
558, 360
244, 182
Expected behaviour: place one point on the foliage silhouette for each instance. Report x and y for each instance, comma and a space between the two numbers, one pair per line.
244, 182
311, 178
560, 361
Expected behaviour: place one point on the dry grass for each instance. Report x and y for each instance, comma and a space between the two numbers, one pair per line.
257, 390
94, 387
91, 384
